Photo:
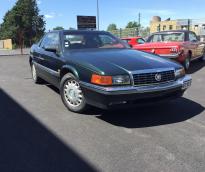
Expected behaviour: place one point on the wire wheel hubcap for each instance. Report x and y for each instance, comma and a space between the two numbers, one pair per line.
72, 93
187, 63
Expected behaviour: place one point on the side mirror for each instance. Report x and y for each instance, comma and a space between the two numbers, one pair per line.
51, 48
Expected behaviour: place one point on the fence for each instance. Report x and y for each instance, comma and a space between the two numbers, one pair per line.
131, 32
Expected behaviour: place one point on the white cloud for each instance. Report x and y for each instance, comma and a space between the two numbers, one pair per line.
52, 15
49, 16
150, 12
156, 12
39, 2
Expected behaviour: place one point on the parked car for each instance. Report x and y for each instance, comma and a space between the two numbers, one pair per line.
134, 40
181, 45
95, 68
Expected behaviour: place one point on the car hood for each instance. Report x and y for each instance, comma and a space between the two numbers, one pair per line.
117, 61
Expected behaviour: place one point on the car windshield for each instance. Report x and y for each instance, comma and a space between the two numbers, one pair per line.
126, 40
167, 37
91, 40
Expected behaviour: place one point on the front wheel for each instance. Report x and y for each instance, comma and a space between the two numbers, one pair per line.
187, 62
72, 95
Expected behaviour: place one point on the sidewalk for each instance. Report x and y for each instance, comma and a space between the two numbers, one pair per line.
4, 52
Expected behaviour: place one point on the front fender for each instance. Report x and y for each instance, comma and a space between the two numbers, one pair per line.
68, 68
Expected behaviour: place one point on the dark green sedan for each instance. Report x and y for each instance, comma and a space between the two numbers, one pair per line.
96, 68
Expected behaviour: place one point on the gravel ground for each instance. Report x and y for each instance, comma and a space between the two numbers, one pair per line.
38, 134
4, 52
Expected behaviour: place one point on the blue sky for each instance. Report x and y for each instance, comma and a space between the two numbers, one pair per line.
64, 12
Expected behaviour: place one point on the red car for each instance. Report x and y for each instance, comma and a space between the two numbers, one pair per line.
182, 46
134, 40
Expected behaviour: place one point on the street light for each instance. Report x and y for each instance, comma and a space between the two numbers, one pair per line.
98, 16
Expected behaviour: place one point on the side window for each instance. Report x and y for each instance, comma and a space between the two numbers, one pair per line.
107, 40
140, 41
192, 37
51, 39
156, 38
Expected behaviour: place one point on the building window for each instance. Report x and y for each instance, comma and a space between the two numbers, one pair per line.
184, 27
170, 27
158, 28
164, 27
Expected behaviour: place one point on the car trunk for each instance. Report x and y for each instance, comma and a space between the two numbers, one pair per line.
158, 48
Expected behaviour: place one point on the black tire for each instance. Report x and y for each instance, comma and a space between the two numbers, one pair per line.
67, 80
35, 77
187, 62
202, 58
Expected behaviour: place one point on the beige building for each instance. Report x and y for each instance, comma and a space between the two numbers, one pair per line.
6, 44
157, 24
198, 26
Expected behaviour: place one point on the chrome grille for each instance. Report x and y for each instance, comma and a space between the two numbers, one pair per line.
150, 78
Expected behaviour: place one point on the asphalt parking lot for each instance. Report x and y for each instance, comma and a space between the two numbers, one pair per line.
37, 133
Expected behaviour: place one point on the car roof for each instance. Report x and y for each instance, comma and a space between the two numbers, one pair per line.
78, 31
172, 31
137, 37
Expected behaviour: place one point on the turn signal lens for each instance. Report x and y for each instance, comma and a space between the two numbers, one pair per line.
101, 80
180, 73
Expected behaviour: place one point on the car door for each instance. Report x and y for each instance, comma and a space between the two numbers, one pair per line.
52, 61
38, 57
198, 47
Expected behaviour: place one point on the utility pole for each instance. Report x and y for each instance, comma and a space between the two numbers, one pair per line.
189, 22
139, 19
98, 16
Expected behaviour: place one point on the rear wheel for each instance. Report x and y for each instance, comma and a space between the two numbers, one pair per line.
72, 95
202, 57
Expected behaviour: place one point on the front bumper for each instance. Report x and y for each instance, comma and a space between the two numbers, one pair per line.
111, 97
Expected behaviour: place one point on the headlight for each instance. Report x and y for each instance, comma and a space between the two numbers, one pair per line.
179, 73
110, 80
121, 80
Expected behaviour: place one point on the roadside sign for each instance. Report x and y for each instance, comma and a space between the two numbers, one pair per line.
86, 22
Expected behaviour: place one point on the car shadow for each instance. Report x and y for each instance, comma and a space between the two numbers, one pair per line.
196, 66
173, 112
26, 145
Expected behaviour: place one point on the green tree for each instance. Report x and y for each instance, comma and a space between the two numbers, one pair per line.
58, 28
133, 24
23, 24
112, 27
145, 32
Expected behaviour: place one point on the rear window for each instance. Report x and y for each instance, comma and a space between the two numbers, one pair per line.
167, 37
